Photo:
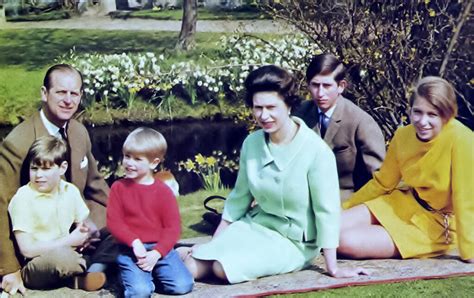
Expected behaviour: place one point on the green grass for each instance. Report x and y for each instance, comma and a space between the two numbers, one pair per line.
458, 287
45, 16
245, 13
36, 48
191, 208
26, 54
19, 93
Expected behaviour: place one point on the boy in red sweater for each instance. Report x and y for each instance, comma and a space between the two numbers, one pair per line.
143, 215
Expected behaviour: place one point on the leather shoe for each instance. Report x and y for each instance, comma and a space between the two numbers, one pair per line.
91, 281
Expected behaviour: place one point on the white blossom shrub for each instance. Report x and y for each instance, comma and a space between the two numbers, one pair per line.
117, 79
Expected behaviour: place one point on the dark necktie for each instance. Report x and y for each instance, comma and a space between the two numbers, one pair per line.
323, 124
67, 175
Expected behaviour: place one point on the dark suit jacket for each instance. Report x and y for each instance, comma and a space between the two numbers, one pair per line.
355, 139
13, 173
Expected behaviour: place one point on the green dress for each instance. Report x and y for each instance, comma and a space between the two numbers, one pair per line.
296, 190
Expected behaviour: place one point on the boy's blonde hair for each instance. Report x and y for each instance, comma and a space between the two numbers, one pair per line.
47, 151
146, 141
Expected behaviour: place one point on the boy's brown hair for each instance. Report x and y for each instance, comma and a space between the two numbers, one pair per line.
439, 93
47, 151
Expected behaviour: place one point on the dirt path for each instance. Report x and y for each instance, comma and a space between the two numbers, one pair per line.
106, 23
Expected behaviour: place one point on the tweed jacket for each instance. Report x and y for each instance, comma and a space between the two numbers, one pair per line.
14, 173
297, 193
355, 138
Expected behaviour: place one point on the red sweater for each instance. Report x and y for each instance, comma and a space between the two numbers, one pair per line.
146, 212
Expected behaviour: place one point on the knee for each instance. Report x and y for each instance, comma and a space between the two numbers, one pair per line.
180, 286
191, 264
66, 262
139, 289
218, 270
347, 221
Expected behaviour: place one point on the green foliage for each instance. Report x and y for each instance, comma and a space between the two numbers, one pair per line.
117, 80
203, 83
26, 54
208, 168
388, 46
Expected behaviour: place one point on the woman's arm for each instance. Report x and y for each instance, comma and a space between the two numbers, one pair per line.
221, 227
383, 181
462, 176
239, 200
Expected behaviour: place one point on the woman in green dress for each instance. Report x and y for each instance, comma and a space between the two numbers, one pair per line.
291, 174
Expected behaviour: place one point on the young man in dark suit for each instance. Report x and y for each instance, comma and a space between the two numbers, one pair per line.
352, 134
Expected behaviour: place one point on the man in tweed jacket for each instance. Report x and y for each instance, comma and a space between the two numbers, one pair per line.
61, 95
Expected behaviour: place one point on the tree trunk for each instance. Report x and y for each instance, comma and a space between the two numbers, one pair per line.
2, 14
188, 26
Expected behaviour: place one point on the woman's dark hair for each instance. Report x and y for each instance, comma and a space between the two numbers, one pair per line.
271, 78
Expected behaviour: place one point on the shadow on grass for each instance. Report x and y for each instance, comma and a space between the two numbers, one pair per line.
203, 227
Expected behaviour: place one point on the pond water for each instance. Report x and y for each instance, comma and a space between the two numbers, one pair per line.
185, 140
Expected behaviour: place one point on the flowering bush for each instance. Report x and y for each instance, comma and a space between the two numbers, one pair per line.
208, 168
116, 80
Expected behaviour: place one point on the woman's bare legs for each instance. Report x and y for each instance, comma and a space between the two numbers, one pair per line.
218, 270
199, 268
362, 236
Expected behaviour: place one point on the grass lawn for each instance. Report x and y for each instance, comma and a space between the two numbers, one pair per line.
459, 287
19, 92
193, 226
36, 48
26, 54
245, 13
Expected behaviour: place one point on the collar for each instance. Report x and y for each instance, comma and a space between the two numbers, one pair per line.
293, 147
62, 187
328, 112
50, 127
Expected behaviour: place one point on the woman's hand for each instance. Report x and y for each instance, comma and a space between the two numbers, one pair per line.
331, 266
348, 272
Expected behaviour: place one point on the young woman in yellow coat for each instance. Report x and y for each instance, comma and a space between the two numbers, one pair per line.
419, 204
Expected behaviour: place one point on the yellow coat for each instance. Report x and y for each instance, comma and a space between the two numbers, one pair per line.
441, 172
